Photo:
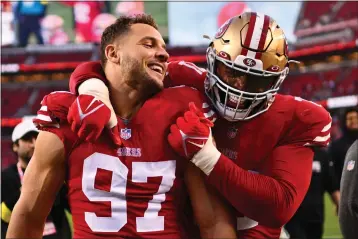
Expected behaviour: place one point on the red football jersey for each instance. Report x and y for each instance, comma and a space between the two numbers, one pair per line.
275, 144
84, 13
137, 190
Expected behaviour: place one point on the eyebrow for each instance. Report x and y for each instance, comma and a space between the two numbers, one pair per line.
153, 39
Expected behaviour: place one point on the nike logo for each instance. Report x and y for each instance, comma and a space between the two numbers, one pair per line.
197, 145
81, 114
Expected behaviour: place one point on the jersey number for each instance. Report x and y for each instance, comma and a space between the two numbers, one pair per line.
190, 65
141, 171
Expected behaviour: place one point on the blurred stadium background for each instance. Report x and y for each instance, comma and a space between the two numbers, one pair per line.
324, 39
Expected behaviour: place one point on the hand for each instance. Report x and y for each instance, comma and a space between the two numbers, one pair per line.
190, 133
191, 138
88, 117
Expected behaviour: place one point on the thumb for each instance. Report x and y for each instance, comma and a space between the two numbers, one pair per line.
195, 110
200, 114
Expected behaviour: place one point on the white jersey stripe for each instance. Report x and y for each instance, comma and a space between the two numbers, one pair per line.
256, 35
44, 117
322, 139
327, 127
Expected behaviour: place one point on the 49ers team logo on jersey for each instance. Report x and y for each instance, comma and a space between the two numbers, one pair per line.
223, 29
249, 62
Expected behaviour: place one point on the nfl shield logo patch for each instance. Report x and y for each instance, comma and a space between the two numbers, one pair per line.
126, 133
350, 165
231, 133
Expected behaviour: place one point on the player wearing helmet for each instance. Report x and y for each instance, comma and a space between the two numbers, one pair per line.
262, 159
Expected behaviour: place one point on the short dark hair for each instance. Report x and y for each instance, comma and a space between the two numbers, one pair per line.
121, 27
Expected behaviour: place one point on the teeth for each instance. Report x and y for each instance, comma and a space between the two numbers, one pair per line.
233, 99
156, 68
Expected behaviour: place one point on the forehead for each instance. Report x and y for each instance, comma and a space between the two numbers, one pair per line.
140, 30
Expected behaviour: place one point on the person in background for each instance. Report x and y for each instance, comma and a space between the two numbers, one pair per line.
29, 15
52, 30
348, 207
24, 138
308, 221
84, 12
100, 23
339, 147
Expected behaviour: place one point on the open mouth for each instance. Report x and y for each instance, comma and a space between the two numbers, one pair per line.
156, 67
232, 102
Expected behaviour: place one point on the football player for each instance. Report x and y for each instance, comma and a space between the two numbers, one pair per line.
262, 160
137, 189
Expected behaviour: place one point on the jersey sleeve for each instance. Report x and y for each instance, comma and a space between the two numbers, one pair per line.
185, 73
85, 71
310, 126
52, 117
272, 197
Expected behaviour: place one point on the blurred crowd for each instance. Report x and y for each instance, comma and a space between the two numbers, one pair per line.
21, 19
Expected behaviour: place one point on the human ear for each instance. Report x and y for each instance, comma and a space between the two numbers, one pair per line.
112, 53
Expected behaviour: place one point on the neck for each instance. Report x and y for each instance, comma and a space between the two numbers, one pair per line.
22, 163
126, 99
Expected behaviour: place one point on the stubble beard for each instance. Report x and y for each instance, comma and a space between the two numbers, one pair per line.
139, 79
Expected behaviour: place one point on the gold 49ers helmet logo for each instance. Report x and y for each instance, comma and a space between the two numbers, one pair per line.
223, 29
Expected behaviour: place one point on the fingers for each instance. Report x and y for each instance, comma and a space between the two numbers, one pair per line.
193, 108
175, 139
71, 118
200, 115
191, 117
93, 135
114, 134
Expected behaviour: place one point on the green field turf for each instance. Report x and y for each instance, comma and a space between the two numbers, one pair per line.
331, 225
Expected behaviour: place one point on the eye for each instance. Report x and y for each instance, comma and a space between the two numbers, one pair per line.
148, 45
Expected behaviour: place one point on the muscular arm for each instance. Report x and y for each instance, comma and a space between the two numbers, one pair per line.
270, 199
43, 178
210, 211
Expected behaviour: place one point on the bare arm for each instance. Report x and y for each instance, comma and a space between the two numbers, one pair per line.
44, 177
211, 212
335, 197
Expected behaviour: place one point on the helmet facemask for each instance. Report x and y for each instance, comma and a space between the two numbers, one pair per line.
238, 91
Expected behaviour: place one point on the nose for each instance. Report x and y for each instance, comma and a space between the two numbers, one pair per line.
162, 55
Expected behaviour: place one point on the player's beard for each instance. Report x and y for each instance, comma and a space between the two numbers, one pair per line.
138, 77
